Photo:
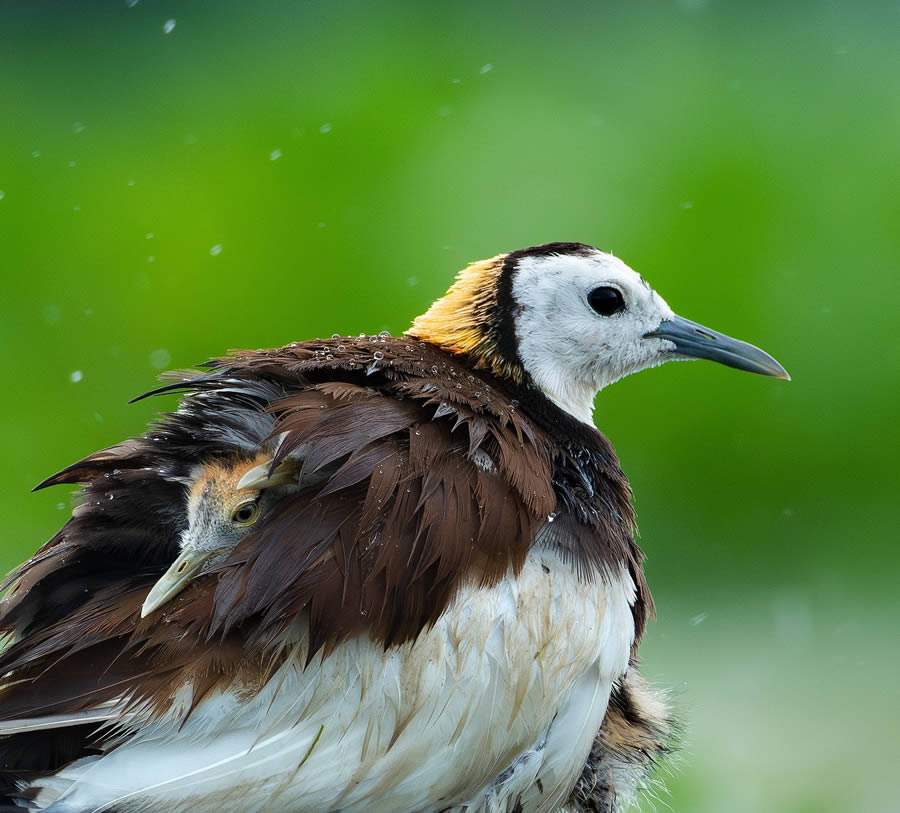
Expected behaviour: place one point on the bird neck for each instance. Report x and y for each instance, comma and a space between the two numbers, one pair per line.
473, 320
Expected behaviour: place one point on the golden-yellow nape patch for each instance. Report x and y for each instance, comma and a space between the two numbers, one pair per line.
462, 320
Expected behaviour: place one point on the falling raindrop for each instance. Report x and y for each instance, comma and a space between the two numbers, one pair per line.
148, 235
325, 128
75, 376
35, 153
274, 155
160, 358
168, 26
51, 314
215, 250
487, 68
78, 127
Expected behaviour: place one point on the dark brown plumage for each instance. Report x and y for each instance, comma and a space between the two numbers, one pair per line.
398, 427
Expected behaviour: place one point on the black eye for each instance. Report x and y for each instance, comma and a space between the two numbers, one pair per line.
245, 514
606, 300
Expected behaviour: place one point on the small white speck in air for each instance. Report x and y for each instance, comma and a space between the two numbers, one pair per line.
151, 259
486, 68
60, 506
78, 127
130, 182
160, 358
76, 208
456, 81
71, 164
215, 250
35, 153
699, 619
274, 155
131, 3
168, 26
148, 235
325, 128
51, 314
75, 376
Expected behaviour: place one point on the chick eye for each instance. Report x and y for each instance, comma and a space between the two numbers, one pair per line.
606, 300
245, 514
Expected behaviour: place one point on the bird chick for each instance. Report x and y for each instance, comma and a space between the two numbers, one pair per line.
226, 501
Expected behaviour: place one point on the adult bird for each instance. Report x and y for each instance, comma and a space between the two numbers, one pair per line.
433, 619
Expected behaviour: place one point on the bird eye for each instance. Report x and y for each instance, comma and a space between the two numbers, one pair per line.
245, 513
606, 300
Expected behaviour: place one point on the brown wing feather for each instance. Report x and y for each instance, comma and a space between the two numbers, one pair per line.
428, 476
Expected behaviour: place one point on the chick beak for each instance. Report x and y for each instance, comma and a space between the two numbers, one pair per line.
696, 341
176, 578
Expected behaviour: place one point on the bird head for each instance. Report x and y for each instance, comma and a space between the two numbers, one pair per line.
226, 501
570, 320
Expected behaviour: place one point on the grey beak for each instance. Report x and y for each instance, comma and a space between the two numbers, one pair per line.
695, 341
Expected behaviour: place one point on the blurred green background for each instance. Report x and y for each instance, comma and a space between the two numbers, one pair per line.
183, 178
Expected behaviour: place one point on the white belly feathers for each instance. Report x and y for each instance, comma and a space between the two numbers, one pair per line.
496, 705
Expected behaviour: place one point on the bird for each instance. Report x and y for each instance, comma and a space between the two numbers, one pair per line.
226, 500
442, 610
